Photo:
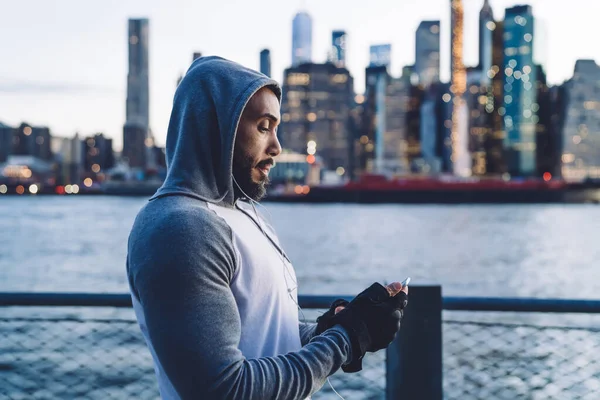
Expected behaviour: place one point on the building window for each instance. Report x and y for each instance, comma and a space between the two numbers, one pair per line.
521, 20
524, 49
298, 79
339, 78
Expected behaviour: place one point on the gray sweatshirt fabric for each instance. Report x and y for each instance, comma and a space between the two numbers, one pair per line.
204, 276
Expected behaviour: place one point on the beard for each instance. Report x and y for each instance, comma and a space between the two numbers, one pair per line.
243, 166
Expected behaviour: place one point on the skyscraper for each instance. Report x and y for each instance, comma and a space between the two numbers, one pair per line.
486, 32
98, 155
581, 132
338, 48
265, 62
380, 55
520, 95
301, 39
391, 121
495, 143
315, 109
479, 123
459, 136
443, 145
70, 157
137, 78
549, 100
6, 141
427, 54
136, 126
32, 141
429, 119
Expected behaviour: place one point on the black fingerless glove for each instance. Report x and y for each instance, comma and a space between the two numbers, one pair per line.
372, 320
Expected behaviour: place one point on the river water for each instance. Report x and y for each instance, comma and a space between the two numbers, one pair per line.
79, 244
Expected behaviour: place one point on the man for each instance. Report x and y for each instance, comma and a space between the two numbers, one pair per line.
213, 292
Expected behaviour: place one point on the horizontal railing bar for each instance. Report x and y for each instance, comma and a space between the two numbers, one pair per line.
65, 299
521, 304
315, 301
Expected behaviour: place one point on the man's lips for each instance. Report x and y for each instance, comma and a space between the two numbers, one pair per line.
265, 167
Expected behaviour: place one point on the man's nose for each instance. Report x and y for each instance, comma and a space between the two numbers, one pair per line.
274, 146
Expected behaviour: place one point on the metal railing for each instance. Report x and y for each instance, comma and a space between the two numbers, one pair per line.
89, 354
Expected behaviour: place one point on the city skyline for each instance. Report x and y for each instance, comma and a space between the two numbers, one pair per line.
84, 88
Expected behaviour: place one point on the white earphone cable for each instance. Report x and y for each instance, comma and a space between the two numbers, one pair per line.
285, 267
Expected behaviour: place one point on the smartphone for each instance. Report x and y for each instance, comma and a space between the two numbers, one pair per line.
405, 282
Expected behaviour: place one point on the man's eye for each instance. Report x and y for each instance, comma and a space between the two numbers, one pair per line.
264, 129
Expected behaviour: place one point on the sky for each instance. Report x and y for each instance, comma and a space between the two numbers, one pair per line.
63, 63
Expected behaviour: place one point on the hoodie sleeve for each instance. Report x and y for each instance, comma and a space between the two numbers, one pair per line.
307, 332
193, 322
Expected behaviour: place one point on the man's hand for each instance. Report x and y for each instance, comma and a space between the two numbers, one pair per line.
372, 319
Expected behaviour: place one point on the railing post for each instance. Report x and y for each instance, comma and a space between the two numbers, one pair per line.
414, 359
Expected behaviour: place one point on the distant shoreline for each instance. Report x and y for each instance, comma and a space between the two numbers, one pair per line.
324, 195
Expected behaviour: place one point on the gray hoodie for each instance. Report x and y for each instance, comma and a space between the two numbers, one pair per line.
213, 292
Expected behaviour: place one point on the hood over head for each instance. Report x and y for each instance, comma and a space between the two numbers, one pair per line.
207, 108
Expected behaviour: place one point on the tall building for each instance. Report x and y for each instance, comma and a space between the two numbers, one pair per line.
486, 34
581, 131
315, 113
391, 122
137, 121
301, 39
134, 146
265, 62
479, 122
558, 102
98, 156
379, 153
6, 141
432, 127
495, 104
427, 52
32, 141
444, 111
380, 55
546, 133
520, 95
338, 48
69, 154
460, 158
137, 79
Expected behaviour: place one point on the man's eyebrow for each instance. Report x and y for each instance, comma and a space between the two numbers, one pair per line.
270, 116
